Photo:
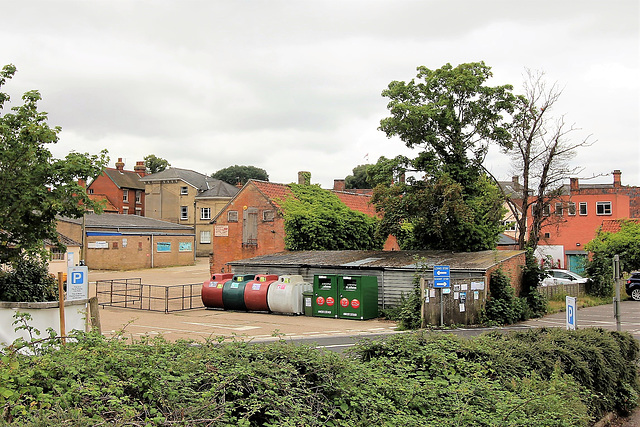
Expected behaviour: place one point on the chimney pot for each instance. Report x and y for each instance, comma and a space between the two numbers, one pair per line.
120, 164
140, 168
304, 178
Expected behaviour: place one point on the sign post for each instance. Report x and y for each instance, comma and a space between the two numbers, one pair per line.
571, 303
441, 279
77, 283
616, 299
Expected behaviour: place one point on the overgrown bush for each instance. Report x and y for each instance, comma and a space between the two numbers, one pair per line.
28, 280
536, 378
532, 276
503, 307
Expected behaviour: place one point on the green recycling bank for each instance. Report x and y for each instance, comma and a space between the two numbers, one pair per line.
345, 297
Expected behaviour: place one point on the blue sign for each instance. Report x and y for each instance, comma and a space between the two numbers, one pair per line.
571, 303
440, 271
77, 277
441, 283
441, 278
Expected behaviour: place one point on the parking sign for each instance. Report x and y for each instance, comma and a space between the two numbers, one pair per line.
77, 283
571, 303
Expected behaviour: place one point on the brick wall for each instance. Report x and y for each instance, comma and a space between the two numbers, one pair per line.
227, 237
512, 267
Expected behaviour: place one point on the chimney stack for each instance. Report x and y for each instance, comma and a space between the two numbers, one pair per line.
339, 185
120, 164
617, 180
304, 178
574, 184
140, 168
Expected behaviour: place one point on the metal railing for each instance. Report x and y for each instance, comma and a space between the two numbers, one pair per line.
132, 293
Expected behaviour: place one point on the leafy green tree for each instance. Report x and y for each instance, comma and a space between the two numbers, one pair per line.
36, 187
240, 174
603, 248
452, 116
155, 164
359, 179
316, 219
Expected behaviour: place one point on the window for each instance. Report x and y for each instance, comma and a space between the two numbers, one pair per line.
603, 208
125, 196
125, 211
268, 215
184, 191
184, 213
232, 216
205, 237
547, 235
510, 225
139, 211
90, 191
205, 213
571, 208
583, 208
57, 254
138, 196
559, 208
546, 210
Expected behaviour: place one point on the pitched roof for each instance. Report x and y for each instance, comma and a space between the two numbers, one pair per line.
217, 188
357, 202
274, 192
99, 198
479, 261
108, 220
614, 225
195, 179
124, 179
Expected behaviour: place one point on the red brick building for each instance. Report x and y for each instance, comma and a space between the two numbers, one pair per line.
577, 216
121, 188
251, 224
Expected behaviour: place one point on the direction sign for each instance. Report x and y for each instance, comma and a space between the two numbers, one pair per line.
441, 276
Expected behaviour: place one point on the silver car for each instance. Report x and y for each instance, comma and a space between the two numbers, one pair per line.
561, 277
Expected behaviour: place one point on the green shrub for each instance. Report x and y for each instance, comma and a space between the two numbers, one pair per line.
502, 305
28, 280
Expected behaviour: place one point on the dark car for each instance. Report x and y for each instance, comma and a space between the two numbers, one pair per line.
632, 286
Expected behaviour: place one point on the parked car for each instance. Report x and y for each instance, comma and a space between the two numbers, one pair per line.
632, 286
561, 277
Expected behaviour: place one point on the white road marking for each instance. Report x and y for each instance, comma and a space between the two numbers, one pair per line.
233, 328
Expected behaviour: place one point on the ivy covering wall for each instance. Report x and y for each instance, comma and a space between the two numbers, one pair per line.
316, 219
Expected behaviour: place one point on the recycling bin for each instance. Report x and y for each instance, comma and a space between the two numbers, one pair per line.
358, 297
307, 303
325, 294
233, 292
255, 292
285, 295
212, 290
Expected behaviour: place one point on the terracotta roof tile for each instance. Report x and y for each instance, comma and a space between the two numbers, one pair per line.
613, 225
274, 192
357, 202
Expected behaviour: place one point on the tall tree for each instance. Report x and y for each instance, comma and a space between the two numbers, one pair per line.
452, 116
155, 164
359, 179
541, 152
36, 187
240, 174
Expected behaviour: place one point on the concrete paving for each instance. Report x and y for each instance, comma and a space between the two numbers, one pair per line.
200, 324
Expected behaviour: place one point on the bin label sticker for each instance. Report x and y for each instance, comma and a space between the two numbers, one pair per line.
213, 284
350, 314
238, 279
234, 286
281, 286
263, 279
320, 301
344, 302
355, 303
220, 285
324, 311
307, 302
255, 287
286, 280
330, 301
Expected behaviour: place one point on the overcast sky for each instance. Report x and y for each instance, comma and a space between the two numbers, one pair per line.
296, 85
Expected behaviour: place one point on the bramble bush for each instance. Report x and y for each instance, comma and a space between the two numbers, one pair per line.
535, 378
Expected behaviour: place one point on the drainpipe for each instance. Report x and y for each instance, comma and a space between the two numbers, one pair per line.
152, 250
